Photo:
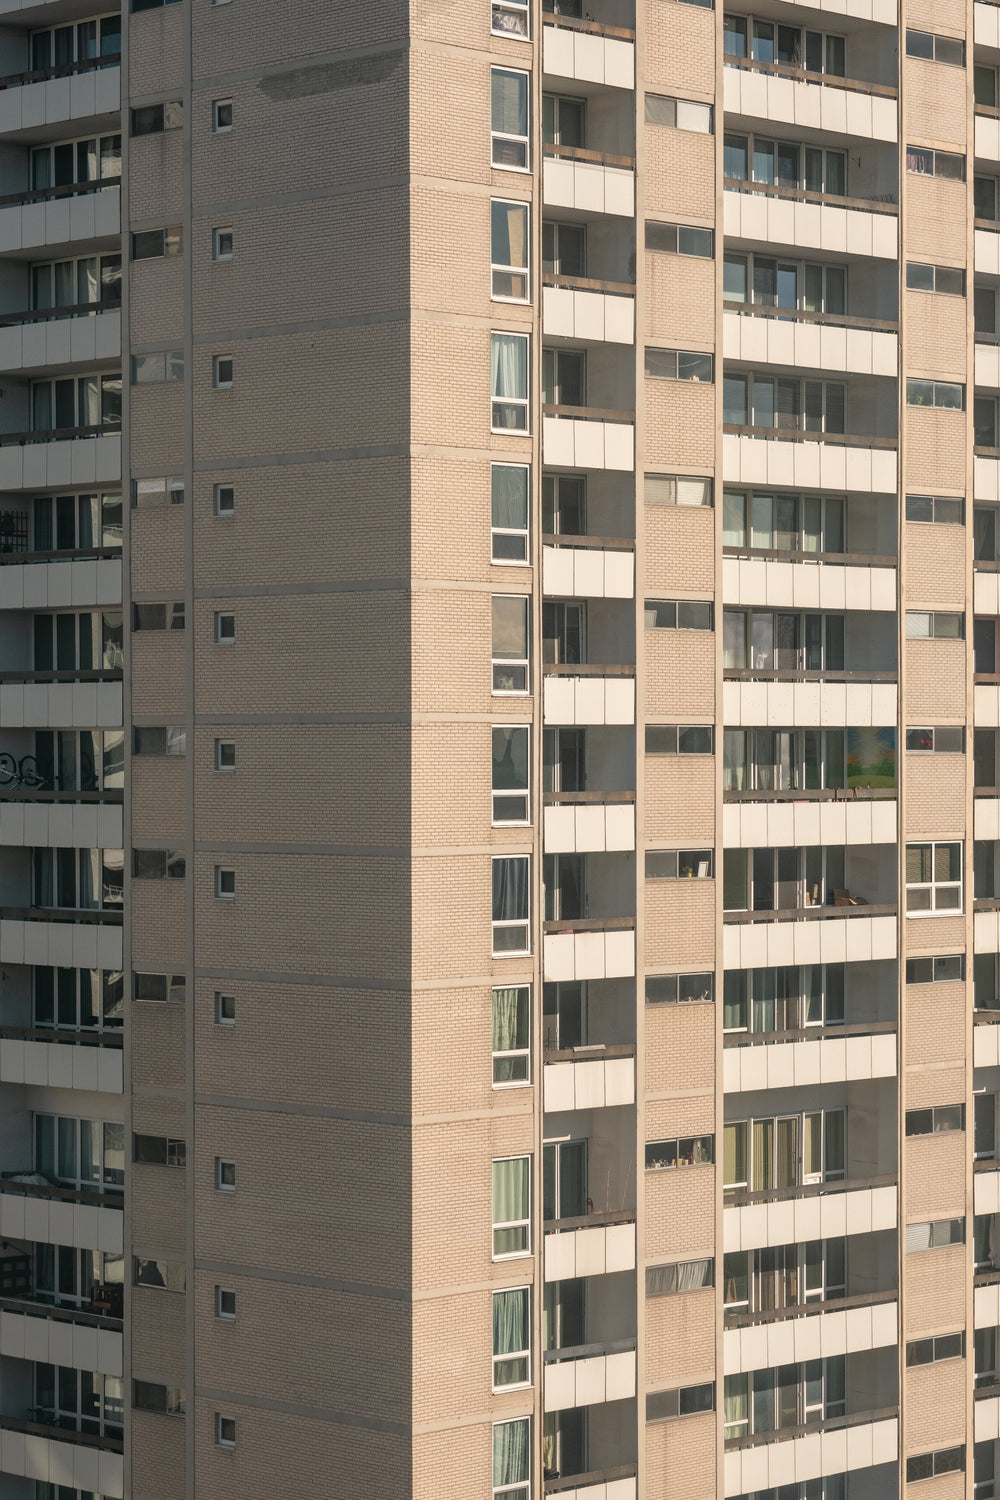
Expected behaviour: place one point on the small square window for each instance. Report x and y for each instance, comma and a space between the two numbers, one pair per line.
222, 372
222, 239
225, 883
225, 1431
225, 755
225, 1175
225, 1010
224, 496
222, 114
225, 629
225, 1304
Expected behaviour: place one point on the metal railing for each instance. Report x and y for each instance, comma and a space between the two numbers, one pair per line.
585, 1052
62, 70
590, 284
57, 434
56, 314
589, 924
797, 554
746, 1197
111, 916
823, 1424
798, 435
737, 1319
800, 315
592, 1477
64, 190
59, 1434
807, 75
599, 1219
63, 1035
883, 205
586, 669
816, 794
806, 1033
806, 674
595, 28
810, 913
585, 153
32, 1308
588, 413
588, 1351
604, 543
591, 799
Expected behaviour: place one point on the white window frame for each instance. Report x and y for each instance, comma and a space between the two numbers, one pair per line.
221, 1163
504, 269
933, 885
220, 509
224, 1317
512, 531
222, 638
525, 1052
500, 135
525, 822
219, 380
217, 251
520, 403
220, 872
221, 1019
217, 106
515, 1354
521, 1488
517, 10
512, 661
220, 746
511, 925
514, 1223
931, 616
222, 1441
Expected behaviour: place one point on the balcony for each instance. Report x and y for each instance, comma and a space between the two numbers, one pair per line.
750, 823
788, 95
56, 219
865, 700
584, 822
49, 1335
808, 460
783, 1216
987, 125
50, 1059
795, 1059
811, 1330
986, 24
597, 1244
588, 567
69, 92
588, 52
588, 1077
41, 581
65, 939
77, 1460
589, 182
770, 215
589, 1374
54, 339
590, 948
862, 1440
584, 437
583, 694
818, 341
87, 823
819, 934
618, 1483
35, 1210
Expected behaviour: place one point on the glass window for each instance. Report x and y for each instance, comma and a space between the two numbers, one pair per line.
509, 247
511, 1035
509, 382
509, 119
512, 1456
509, 501
510, 643
511, 903
511, 746
511, 1207
511, 1337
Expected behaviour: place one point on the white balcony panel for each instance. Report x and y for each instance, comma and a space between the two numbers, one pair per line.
61, 705
52, 1461
598, 317
988, 357
986, 818
578, 700
61, 1343
987, 146
52, 1065
809, 226
589, 1252
814, 346
987, 1306
803, 705
847, 1331
612, 1489
986, 1190
986, 593
589, 828
61, 342
770, 1464
782, 1065
767, 582
986, 1044
83, 583
986, 21
586, 1382
588, 58
751, 825
986, 471
808, 465
856, 1211
85, 1225
575, 443
59, 464
52, 101
587, 955
588, 573
789, 101
987, 1419
826, 940
601, 1083
66, 945
61, 825
60, 222
987, 252
589, 186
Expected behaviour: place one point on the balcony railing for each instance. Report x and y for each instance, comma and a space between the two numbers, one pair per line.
105, 1195
586, 1052
586, 669
746, 1197
806, 674
57, 434
811, 913
33, 1307
64, 190
797, 555
595, 28
886, 204
599, 1219
61, 1434
738, 1319
56, 314
553, 799
588, 1351
588, 413
72, 1036
589, 924
65, 554
72, 674
797, 435
601, 543
61, 70
110, 915
46, 794
805, 1033
585, 153
800, 315
590, 284
805, 75
563, 1482
823, 1424
815, 794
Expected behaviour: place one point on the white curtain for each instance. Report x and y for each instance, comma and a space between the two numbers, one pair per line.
508, 1009
511, 1453
509, 365
510, 1190
510, 889
510, 1321
510, 497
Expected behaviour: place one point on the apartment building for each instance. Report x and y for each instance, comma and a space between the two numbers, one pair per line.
499, 713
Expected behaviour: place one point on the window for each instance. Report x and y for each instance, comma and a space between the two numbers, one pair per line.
684, 1276
510, 643
934, 1235
676, 489
164, 989
924, 624
564, 374
945, 279
814, 51
678, 614
680, 739
509, 119
510, 18
942, 1461
225, 629
944, 393
771, 1279
512, 1452
509, 245
96, 160
784, 404
789, 1151
941, 970
509, 382
82, 1153
166, 1400
91, 401
223, 499
511, 896
225, 1175
678, 364
511, 1207
509, 513
225, 884
682, 989
941, 509
929, 1351
984, 85
70, 522
984, 311
680, 114
167, 1275
225, 1304
222, 115
942, 49
158, 1151
783, 998
985, 1470
225, 1431
784, 523
222, 372
222, 244
680, 239
764, 281
148, 493
158, 616
511, 1337
151, 244
985, 1356
925, 163
564, 249
152, 369
57, 47
984, 198
947, 739
933, 878
158, 740
225, 1010
511, 1035
157, 864
984, 422
785, 1396
72, 999
685, 1151
225, 755
687, 1401
151, 119
679, 864
937, 1121
785, 164
511, 761
80, 879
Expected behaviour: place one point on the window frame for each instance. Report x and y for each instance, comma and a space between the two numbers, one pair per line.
222, 635
220, 1313
512, 664
520, 1489
221, 872
221, 746
220, 362
672, 983
219, 107
932, 885
225, 1168
217, 251
676, 236
522, 534
498, 794
501, 267
937, 503
512, 1055
505, 1225
515, 9
221, 1018
500, 925
523, 142
513, 1355
225, 1431
222, 511
518, 405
